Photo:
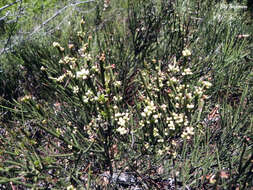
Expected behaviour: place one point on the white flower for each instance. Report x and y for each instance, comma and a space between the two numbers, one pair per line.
85, 99
26, 98
160, 152
89, 93
117, 98
121, 121
186, 122
168, 119
82, 74
173, 68
56, 44
190, 106
71, 187
61, 61
117, 83
190, 130
75, 89
188, 95
143, 114
42, 68
141, 123
156, 116
186, 52
198, 90
173, 79
163, 107
187, 72
155, 132
60, 78
118, 114
171, 125
206, 84
121, 130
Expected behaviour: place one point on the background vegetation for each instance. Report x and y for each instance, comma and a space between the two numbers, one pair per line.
157, 91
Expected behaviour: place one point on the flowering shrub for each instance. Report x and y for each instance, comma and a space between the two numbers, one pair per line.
91, 116
165, 102
131, 100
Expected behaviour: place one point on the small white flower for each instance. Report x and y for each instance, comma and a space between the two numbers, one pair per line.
42, 68
61, 61
198, 91
171, 125
89, 93
71, 187
143, 114
180, 120
75, 89
190, 130
190, 106
156, 116
85, 99
82, 74
188, 95
206, 84
187, 72
186, 52
160, 152
155, 132
174, 80
122, 130
56, 44
160, 140
60, 78
141, 123
118, 114
163, 107
69, 73
121, 122
117, 83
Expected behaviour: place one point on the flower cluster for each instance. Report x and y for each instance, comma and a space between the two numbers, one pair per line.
186, 52
168, 97
122, 119
68, 60
188, 132
58, 46
149, 109
170, 114
83, 74
26, 98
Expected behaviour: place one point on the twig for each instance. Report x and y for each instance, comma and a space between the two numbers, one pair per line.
57, 13
48, 20
13, 28
6, 6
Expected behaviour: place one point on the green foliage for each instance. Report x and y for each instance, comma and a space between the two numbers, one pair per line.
158, 89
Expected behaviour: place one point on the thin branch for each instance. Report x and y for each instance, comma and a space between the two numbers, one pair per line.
6, 6
57, 13
49, 19
13, 27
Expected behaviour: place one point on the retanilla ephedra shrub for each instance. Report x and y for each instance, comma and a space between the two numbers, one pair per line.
112, 99
91, 128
